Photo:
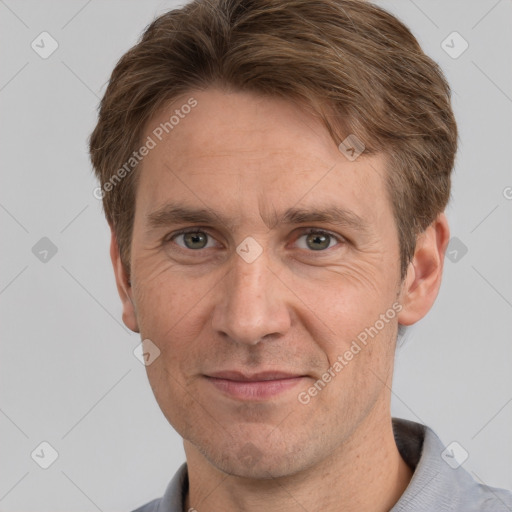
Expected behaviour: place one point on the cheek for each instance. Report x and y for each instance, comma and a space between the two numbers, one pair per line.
355, 320
172, 312
336, 303
164, 296
359, 372
177, 401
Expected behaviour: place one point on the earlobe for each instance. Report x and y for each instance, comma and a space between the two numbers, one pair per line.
124, 287
424, 275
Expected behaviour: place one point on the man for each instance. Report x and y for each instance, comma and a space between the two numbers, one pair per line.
275, 174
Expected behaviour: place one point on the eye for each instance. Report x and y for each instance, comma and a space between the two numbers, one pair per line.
312, 240
193, 239
317, 240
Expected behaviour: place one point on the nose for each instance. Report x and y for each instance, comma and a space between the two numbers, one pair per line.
251, 303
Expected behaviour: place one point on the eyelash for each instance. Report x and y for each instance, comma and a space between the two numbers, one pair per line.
304, 231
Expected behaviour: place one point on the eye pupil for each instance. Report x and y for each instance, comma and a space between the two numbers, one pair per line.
195, 240
318, 241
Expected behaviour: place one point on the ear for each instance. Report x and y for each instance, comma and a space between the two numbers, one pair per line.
425, 271
124, 287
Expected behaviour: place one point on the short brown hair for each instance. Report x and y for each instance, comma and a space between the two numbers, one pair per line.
352, 63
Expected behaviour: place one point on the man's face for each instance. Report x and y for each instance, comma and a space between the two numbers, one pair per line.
293, 298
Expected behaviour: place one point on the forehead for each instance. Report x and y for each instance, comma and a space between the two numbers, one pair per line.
241, 152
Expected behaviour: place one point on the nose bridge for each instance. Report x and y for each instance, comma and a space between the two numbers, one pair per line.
251, 304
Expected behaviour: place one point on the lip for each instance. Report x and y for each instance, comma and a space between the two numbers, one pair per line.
254, 387
254, 377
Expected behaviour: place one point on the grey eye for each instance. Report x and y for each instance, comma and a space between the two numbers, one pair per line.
194, 240
316, 241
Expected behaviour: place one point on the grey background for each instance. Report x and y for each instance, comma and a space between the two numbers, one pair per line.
68, 374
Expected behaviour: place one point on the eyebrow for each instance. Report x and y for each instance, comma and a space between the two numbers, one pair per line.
175, 213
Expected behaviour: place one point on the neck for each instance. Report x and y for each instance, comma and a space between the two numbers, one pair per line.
366, 472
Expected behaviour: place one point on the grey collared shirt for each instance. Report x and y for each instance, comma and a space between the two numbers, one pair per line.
437, 484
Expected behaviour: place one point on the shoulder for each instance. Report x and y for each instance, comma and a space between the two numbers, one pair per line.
489, 499
174, 497
439, 481
152, 506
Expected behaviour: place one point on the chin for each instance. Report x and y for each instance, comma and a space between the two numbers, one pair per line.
248, 461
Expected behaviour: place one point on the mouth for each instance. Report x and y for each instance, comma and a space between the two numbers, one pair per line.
254, 387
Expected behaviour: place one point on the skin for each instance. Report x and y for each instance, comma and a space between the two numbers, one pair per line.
248, 157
